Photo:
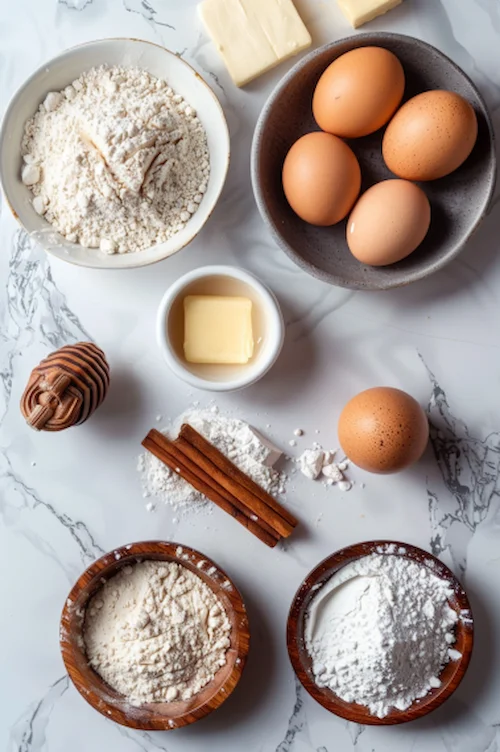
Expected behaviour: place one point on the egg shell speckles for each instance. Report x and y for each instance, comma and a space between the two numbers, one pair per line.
430, 136
383, 430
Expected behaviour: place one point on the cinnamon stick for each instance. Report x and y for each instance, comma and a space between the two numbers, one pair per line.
205, 459
274, 510
172, 456
204, 471
216, 481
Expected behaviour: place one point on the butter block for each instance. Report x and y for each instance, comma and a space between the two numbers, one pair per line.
217, 329
253, 36
359, 12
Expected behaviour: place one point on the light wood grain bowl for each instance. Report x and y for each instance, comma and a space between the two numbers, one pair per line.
452, 673
152, 716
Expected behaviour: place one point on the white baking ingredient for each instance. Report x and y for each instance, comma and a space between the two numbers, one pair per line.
344, 485
318, 461
249, 451
379, 632
116, 161
30, 174
156, 632
332, 472
311, 463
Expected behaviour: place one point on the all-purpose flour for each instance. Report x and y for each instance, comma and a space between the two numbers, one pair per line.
116, 161
234, 438
155, 632
380, 632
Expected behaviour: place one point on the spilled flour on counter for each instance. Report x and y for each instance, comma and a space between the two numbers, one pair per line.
380, 632
318, 462
156, 632
116, 161
234, 438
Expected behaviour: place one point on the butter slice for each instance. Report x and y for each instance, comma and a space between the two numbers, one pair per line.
217, 329
359, 12
253, 36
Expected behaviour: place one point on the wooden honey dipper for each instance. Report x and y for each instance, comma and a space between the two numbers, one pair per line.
66, 387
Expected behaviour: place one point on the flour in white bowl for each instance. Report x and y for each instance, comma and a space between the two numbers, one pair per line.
116, 161
380, 631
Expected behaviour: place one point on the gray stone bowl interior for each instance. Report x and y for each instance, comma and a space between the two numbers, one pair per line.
458, 201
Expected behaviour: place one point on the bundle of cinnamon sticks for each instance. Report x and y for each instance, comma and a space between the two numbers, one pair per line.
211, 473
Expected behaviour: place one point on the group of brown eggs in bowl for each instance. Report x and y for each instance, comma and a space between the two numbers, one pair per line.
427, 138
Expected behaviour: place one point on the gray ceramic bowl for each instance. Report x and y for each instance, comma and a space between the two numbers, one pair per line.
458, 201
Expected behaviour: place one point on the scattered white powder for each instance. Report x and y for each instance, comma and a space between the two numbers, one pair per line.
116, 161
311, 463
155, 632
379, 632
317, 462
234, 438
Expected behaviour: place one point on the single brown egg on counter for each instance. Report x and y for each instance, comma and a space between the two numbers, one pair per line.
321, 178
430, 136
359, 92
383, 430
389, 222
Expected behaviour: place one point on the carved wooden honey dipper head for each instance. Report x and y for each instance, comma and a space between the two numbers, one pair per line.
66, 387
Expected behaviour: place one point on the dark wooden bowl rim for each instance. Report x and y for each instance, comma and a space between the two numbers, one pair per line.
452, 673
152, 716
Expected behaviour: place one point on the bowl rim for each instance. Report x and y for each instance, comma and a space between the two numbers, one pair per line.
112, 562
273, 314
321, 573
362, 40
134, 258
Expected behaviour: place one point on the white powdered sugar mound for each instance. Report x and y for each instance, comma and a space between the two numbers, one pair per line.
234, 438
156, 632
116, 161
380, 632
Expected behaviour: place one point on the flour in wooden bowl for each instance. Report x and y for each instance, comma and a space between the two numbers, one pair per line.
155, 632
116, 161
380, 631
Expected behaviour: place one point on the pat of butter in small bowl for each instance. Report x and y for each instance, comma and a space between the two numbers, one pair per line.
219, 328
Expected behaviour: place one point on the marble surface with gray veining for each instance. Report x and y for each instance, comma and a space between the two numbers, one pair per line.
65, 499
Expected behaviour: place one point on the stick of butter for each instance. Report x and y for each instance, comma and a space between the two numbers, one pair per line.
359, 12
253, 36
217, 329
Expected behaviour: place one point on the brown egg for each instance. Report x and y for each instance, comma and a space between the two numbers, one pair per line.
389, 222
383, 430
430, 136
321, 178
359, 92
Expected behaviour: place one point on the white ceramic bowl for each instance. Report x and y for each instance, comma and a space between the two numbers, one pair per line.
220, 378
61, 71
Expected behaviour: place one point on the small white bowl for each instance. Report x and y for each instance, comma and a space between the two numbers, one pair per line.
220, 280
61, 71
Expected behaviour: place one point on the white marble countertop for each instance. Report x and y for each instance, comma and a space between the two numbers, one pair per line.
65, 499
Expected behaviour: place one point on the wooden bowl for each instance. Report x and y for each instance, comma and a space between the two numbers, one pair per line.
152, 716
453, 672
458, 201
